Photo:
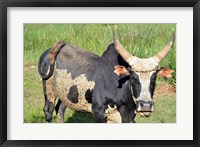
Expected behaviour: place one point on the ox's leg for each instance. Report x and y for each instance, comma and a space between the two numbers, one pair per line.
50, 98
48, 110
126, 114
99, 113
60, 111
99, 117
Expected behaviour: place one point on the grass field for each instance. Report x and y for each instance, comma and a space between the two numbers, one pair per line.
142, 40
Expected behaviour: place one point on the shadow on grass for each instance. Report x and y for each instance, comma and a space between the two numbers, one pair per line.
81, 117
33, 118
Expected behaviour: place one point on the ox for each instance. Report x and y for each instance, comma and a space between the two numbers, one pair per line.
114, 87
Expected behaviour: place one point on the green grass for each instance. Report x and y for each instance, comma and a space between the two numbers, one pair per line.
142, 40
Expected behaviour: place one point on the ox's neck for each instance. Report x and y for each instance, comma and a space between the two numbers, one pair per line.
120, 86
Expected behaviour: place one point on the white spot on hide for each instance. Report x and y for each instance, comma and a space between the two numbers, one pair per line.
112, 115
63, 82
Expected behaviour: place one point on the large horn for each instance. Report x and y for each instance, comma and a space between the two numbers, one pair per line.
123, 52
159, 56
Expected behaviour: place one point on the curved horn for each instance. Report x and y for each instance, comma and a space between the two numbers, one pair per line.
123, 52
161, 55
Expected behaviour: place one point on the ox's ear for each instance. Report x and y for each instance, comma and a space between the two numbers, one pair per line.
121, 70
165, 72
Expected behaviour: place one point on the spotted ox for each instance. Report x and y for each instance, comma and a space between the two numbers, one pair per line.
114, 87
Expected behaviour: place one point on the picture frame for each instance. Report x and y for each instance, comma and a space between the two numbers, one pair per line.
99, 3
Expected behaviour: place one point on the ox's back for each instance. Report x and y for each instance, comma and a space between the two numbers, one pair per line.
77, 61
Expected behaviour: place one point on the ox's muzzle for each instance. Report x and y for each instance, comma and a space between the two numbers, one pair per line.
145, 108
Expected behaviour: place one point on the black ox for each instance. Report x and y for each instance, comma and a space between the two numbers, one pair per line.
114, 87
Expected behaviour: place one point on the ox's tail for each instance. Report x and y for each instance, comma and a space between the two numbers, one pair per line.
47, 60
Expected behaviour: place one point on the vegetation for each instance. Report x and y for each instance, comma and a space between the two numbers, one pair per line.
142, 40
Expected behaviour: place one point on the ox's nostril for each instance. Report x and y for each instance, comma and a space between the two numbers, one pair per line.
146, 105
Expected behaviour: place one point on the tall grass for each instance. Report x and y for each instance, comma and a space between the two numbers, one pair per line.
142, 40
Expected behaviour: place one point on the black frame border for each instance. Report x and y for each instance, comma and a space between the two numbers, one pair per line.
4, 4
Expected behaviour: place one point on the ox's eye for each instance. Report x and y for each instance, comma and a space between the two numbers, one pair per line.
135, 84
152, 83
135, 76
153, 77
135, 80
136, 87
